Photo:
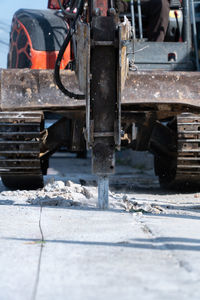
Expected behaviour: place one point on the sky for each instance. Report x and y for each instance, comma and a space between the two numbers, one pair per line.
7, 9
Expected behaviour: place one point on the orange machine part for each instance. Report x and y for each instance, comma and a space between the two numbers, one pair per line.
53, 4
36, 59
102, 5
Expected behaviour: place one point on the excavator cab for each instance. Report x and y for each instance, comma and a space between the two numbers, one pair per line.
176, 52
139, 20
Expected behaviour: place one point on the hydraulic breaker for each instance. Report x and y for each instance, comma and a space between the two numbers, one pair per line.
103, 102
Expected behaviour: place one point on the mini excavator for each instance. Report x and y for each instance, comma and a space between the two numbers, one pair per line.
91, 64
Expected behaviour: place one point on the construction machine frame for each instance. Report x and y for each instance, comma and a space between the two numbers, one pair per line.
127, 90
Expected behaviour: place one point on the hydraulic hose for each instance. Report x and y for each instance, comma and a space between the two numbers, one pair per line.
61, 53
68, 14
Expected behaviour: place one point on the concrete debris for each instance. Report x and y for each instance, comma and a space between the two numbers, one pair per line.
78, 189
69, 183
61, 194
134, 206
57, 185
87, 193
54, 201
55, 193
66, 193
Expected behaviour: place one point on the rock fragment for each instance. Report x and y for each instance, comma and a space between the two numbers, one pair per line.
87, 193
57, 185
134, 206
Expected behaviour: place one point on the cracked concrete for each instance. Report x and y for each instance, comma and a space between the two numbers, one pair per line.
78, 252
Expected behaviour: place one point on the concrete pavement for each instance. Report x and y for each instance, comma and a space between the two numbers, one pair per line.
90, 254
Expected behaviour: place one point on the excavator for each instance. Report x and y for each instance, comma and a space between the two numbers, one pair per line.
92, 65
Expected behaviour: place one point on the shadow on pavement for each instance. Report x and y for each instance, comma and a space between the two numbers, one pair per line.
167, 243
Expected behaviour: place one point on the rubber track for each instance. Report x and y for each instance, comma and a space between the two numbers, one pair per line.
20, 134
188, 147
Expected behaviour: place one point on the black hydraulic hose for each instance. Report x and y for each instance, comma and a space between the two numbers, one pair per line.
68, 14
61, 53
178, 26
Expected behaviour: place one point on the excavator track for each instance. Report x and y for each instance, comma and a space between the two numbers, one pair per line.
184, 168
188, 147
20, 141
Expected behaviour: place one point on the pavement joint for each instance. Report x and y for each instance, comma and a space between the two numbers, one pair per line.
35, 289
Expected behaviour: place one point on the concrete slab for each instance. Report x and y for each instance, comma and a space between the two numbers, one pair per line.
91, 254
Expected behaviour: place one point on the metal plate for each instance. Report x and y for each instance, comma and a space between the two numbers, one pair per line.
35, 89
161, 87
